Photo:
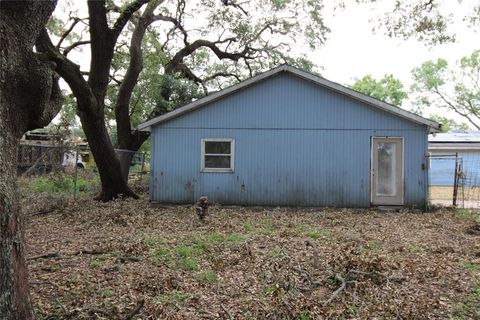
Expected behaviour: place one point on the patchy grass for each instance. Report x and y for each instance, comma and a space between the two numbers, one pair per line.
207, 277
252, 262
412, 247
470, 307
468, 214
319, 234
177, 297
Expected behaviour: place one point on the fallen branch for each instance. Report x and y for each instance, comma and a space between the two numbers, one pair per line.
316, 253
342, 287
89, 251
227, 312
127, 259
45, 256
105, 313
350, 278
135, 310
311, 284
43, 212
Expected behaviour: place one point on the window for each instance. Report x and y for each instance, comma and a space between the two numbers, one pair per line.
217, 155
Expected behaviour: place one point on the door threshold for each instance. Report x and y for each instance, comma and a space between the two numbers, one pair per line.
389, 208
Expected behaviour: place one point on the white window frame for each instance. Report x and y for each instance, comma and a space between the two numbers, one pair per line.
232, 155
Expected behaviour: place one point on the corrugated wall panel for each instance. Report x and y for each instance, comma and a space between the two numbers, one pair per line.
295, 144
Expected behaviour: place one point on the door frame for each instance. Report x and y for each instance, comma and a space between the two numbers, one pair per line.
402, 180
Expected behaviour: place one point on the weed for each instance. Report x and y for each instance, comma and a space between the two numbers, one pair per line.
107, 293
465, 214
266, 228
213, 237
103, 257
234, 238
269, 290
303, 316
249, 228
470, 308
189, 264
163, 254
174, 298
184, 251
186, 260
152, 241
373, 245
322, 234
471, 266
94, 263
414, 248
275, 253
207, 276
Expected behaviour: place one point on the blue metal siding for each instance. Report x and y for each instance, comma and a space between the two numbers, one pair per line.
295, 144
442, 170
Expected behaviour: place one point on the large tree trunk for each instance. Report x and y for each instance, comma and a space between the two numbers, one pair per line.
113, 183
29, 98
14, 293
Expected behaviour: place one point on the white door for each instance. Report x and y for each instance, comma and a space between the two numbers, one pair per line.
387, 171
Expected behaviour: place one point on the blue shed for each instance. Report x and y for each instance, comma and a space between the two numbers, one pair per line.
446, 148
290, 138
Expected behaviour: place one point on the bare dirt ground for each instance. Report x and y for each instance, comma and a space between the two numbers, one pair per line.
125, 260
446, 193
469, 197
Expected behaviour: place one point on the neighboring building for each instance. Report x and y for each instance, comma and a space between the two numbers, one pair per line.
38, 149
289, 138
444, 147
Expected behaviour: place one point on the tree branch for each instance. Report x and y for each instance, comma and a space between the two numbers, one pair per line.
125, 16
66, 68
177, 24
232, 3
122, 103
67, 32
67, 50
175, 63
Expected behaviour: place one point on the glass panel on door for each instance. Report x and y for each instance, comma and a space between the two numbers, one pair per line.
387, 171
386, 184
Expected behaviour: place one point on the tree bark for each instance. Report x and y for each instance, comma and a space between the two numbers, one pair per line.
14, 292
29, 98
113, 183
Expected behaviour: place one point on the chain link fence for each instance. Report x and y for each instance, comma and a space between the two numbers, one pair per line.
454, 180
71, 170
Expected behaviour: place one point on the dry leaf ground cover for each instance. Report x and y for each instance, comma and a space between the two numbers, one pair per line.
249, 263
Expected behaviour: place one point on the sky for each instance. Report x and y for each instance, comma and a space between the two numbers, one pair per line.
353, 50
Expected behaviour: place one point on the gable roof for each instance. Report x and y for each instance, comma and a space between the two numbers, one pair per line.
434, 127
